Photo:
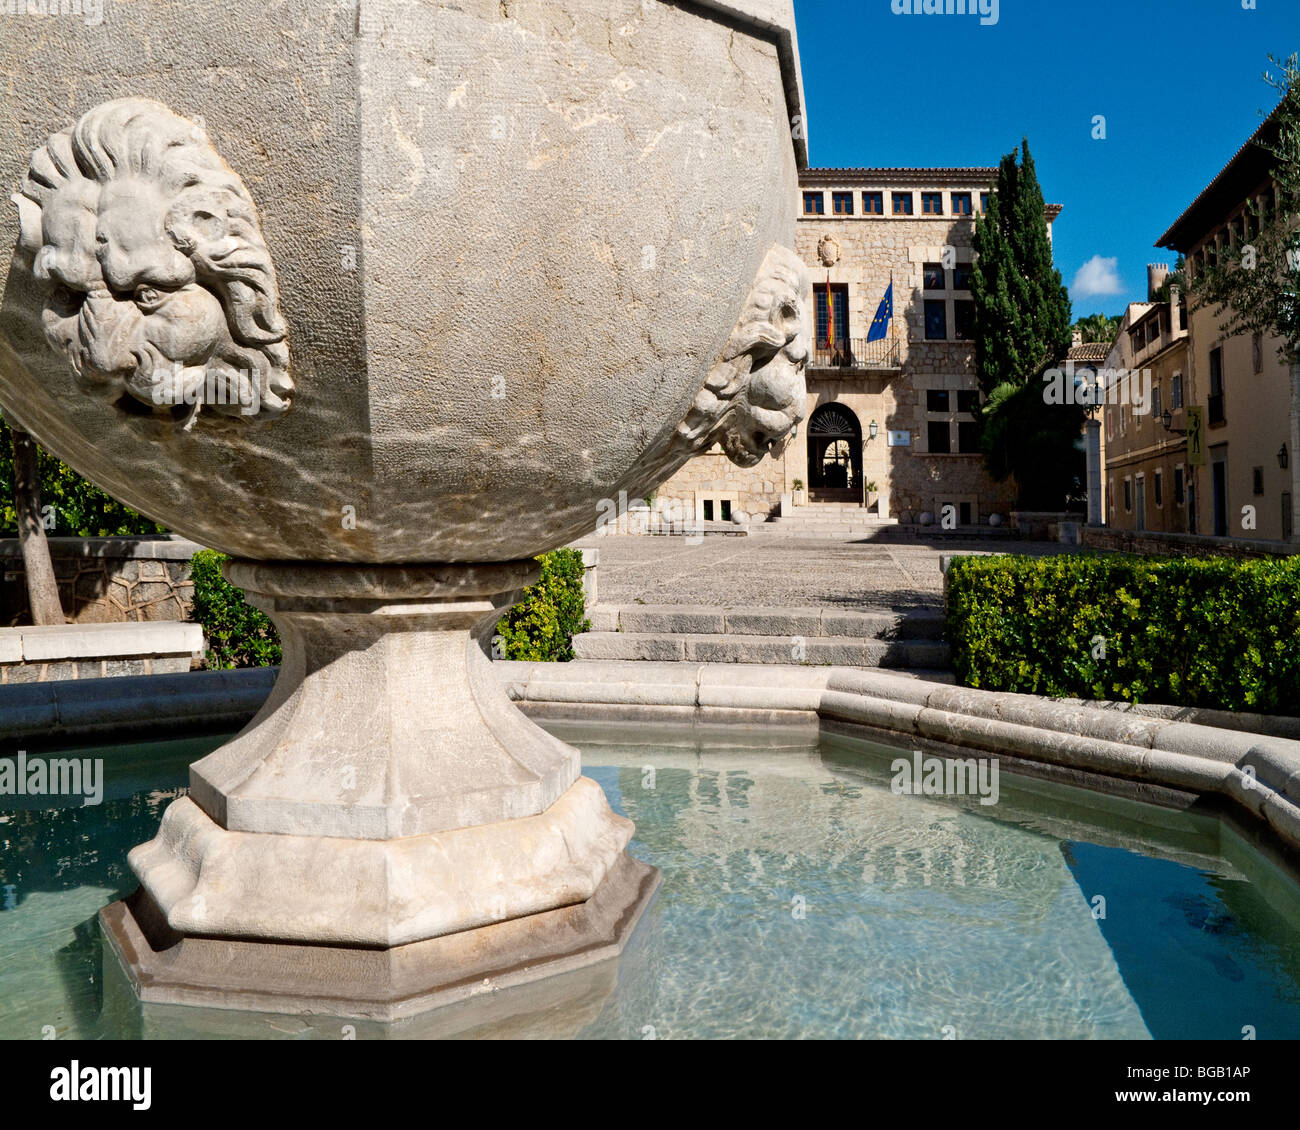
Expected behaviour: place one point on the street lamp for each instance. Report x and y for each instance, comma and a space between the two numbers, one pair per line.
1167, 419
873, 430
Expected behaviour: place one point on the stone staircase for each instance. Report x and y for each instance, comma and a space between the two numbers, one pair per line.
911, 641
839, 520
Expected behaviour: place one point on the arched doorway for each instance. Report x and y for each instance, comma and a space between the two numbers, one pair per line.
834, 454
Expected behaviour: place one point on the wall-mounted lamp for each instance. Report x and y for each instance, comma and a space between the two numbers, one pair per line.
873, 429
1282, 457
1166, 419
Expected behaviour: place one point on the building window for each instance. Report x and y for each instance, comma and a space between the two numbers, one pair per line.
873, 203
932, 203
1110, 423
814, 203
842, 203
968, 437
968, 400
940, 437
1257, 480
1110, 496
1257, 352
963, 320
936, 320
961, 204
984, 201
902, 204
1155, 401
937, 400
1215, 404
1176, 392
1158, 487
933, 277
1180, 486
1123, 419
961, 276
1128, 495
708, 510
839, 304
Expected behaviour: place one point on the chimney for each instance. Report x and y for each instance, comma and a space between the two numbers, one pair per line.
1157, 273
1077, 337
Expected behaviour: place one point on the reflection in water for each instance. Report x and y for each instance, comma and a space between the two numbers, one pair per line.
800, 898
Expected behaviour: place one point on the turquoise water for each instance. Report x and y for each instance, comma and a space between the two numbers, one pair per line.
801, 898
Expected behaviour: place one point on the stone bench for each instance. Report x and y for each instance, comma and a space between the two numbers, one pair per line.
93, 651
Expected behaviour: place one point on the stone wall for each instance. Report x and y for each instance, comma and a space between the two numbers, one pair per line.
1156, 544
105, 580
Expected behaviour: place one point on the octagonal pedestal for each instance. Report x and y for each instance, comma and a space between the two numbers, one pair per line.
389, 833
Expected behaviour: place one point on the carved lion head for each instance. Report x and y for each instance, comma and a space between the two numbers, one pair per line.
756, 395
158, 286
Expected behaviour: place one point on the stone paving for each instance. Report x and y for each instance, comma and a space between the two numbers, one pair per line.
771, 571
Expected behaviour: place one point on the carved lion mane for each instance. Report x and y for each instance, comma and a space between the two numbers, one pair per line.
755, 396
158, 286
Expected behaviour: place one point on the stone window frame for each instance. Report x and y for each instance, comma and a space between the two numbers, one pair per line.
954, 416
1157, 488
920, 256
1176, 391
1180, 484
1128, 494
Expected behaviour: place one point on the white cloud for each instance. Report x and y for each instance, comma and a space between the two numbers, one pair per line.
1098, 277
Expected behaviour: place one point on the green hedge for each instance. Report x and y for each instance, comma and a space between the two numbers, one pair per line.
549, 614
239, 635
1216, 633
79, 508
540, 627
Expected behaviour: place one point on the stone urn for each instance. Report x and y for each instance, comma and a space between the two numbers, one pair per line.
385, 305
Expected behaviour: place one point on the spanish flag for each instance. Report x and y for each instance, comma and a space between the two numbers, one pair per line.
830, 314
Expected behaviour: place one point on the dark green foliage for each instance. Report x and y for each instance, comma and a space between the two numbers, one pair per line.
1262, 294
1041, 444
549, 614
1194, 632
1022, 328
1022, 310
239, 635
80, 509
1102, 327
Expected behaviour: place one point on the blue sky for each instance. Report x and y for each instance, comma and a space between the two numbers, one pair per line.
1179, 82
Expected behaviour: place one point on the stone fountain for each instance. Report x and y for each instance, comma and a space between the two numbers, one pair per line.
383, 299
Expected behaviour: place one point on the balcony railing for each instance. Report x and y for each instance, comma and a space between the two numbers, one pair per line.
857, 353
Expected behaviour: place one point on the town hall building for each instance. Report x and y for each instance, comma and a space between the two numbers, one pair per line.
891, 422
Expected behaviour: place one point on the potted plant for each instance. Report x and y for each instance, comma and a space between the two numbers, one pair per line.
872, 496
800, 495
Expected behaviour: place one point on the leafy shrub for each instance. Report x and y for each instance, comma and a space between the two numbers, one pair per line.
541, 627
80, 508
239, 635
1210, 633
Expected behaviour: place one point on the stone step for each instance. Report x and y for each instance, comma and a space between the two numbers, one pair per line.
783, 622
838, 651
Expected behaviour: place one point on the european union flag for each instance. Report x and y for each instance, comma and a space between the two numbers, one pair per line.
880, 324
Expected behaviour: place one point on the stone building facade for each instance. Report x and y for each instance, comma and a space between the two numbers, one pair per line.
891, 423
1150, 483
1249, 484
